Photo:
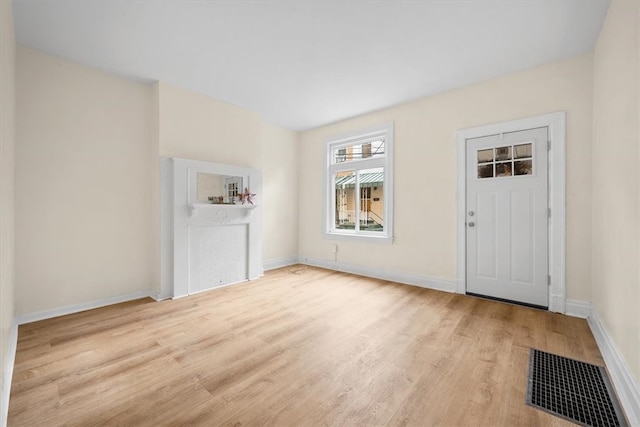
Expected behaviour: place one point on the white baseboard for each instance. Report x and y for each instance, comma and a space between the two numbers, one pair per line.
76, 308
627, 387
577, 308
158, 297
272, 264
392, 276
8, 373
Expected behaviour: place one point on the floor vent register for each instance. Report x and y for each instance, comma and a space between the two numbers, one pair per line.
574, 390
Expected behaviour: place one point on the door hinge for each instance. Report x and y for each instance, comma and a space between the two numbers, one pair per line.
549, 280
548, 212
548, 145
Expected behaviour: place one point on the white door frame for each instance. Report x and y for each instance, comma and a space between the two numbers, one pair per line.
556, 124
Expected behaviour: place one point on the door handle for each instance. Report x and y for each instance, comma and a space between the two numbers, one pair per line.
472, 224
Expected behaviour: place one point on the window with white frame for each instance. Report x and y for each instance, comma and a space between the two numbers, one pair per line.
358, 184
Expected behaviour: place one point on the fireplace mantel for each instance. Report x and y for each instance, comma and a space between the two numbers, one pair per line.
195, 207
206, 245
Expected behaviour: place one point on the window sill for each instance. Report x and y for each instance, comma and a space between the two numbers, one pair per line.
371, 238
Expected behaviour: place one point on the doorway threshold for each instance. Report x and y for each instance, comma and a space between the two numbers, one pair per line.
508, 301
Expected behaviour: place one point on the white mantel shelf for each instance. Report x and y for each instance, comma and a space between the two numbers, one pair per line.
195, 207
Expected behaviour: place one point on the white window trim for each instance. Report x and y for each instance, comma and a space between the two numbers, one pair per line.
329, 194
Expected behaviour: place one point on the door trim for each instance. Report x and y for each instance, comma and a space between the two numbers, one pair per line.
556, 181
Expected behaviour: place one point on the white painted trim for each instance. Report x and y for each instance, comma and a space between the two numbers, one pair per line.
577, 308
556, 124
461, 210
166, 227
272, 264
202, 291
158, 297
328, 198
392, 276
77, 308
179, 177
8, 373
627, 387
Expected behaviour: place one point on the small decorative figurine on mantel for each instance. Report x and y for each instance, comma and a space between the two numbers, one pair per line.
216, 200
246, 196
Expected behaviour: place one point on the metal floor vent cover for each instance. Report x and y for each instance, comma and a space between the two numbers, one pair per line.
574, 390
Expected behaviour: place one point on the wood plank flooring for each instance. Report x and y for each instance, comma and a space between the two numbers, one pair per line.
302, 346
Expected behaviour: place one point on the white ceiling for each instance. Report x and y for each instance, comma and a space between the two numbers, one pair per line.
302, 64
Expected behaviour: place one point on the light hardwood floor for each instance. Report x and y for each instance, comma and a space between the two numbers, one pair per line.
301, 346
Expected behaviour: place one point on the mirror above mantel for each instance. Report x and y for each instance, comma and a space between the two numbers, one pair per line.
218, 189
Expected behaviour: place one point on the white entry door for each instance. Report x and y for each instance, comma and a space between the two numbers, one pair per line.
507, 216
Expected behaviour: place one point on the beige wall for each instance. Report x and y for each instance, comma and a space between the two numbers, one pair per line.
194, 126
616, 179
154, 187
425, 170
7, 175
82, 184
280, 187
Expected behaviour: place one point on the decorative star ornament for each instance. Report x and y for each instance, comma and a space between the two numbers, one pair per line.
246, 196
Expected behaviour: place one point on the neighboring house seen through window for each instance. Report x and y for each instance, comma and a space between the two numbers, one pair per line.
359, 191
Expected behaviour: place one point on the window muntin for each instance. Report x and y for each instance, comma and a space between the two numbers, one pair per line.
358, 181
232, 191
360, 150
505, 161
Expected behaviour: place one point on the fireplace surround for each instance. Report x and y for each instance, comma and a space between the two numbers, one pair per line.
208, 240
